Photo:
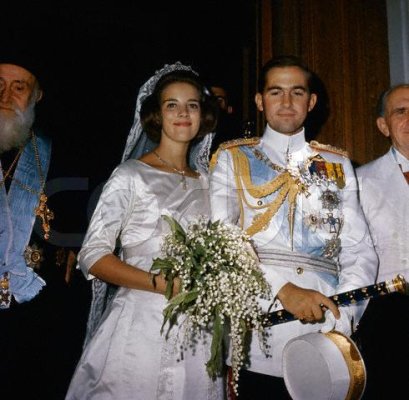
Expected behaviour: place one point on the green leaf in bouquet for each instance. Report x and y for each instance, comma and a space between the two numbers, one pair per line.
191, 296
200, 251
168, 314
214, 365
176, 228
171, 316
171, 311
163, 264
183, 297
178, 303
169, 288
213, 225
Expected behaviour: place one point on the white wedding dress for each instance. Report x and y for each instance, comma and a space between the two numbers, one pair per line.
128, 357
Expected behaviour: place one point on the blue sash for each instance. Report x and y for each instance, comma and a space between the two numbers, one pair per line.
17, 217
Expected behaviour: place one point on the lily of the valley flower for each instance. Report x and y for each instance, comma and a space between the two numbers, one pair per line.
220, 285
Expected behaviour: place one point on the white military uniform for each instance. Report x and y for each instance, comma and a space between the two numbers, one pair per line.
299, 203
384, 195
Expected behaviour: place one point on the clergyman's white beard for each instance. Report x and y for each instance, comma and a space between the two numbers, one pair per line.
15, 129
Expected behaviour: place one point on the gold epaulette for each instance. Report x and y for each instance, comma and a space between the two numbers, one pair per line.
252, 141
327, 147
230, 144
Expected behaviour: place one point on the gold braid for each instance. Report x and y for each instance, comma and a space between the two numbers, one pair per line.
285, 183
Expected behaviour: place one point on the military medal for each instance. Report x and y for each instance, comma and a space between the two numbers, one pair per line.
4, 291
332, 247
33, 256
330, 200
331, 172
334, 223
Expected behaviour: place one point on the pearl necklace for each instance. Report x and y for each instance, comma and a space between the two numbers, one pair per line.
181, 172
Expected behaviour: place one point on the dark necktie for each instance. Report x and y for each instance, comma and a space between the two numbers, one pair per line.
406, 175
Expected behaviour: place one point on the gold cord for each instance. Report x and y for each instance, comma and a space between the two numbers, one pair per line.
284, 183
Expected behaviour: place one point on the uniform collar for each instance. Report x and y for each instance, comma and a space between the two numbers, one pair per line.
277, 145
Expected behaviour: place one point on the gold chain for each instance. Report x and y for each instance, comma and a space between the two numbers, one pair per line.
181, 172
7, 173
42, 209
178, 171
40, 171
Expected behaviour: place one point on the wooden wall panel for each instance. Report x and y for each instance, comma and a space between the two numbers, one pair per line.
345, 43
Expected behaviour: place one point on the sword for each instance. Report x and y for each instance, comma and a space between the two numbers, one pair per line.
397, 284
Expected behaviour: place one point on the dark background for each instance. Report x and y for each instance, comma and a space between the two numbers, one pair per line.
93, 57
91, 60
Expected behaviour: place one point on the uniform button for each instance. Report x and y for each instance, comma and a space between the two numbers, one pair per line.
300, 270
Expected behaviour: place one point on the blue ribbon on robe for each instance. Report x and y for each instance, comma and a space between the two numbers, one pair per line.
17, 217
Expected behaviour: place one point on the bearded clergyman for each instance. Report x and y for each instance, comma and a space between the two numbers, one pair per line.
42, 325
24, 158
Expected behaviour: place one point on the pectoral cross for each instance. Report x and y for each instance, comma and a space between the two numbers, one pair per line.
45, 214
333, 222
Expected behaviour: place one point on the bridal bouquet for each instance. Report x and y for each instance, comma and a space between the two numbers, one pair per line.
220, 285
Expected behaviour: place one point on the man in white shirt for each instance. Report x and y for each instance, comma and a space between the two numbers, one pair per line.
383, 333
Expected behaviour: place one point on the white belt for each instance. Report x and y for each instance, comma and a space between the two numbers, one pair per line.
291, 259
